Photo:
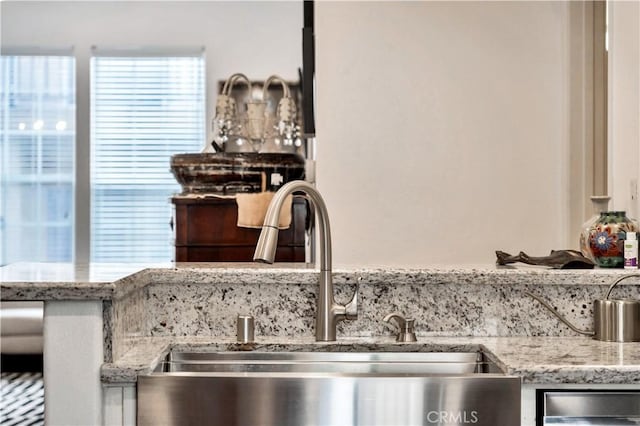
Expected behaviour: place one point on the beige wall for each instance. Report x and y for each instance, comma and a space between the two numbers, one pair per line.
624, 105
443, 129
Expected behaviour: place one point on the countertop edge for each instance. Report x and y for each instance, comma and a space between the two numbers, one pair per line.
213, 273
127, 369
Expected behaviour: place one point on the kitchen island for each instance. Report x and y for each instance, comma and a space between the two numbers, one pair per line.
105, 324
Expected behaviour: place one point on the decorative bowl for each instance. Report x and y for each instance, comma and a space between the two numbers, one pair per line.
232, 173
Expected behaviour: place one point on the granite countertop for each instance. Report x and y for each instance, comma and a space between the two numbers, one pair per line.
95, 281
70, 281
538, 360
67, 281
182, 289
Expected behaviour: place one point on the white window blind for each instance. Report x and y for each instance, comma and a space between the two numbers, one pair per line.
144, 109
37, 133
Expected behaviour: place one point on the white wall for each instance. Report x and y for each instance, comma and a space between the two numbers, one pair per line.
256, 38
443, 129
624, 105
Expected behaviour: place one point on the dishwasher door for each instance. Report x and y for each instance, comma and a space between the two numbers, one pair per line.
586, 407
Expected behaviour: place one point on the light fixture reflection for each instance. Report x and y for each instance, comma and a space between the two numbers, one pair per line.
38, 125
61, 125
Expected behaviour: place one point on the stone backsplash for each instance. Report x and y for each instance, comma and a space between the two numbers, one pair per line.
443, 302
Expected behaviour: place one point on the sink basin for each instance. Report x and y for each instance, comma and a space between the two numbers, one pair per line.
432, 363
328, 388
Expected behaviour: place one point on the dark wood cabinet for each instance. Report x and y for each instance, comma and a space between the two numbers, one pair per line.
206, 231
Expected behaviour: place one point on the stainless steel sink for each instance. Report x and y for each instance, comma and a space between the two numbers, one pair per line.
328, 362
328, 388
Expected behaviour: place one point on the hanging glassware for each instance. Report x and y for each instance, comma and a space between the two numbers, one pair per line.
282, 132
255, 127
228, 132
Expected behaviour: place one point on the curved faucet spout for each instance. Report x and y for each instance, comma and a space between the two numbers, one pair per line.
329, 313
266, 247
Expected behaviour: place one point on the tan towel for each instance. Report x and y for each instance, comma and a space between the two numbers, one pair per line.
252, 209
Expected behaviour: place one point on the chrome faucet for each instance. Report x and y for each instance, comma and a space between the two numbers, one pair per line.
328, 312
405, 327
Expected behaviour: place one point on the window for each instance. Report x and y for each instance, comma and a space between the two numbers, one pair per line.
143, 110
37, 133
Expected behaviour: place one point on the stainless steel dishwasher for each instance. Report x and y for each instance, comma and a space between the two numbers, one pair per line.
587, 407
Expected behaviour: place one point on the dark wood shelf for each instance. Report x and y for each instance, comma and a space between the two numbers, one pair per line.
206, 231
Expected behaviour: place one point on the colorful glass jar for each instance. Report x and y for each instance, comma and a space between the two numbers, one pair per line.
606, 238
600, 204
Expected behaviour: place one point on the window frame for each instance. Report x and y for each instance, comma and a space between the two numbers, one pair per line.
81, 241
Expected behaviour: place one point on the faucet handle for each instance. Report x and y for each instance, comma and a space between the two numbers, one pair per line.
405, 327
351, 308
398, 323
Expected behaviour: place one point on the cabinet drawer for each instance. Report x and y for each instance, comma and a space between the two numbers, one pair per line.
589, 407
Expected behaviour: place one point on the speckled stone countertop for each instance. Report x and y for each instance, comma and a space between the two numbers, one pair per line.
66, 281
149, 309
538, 360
